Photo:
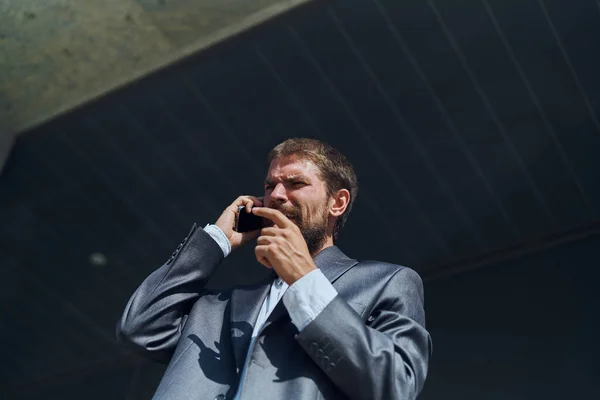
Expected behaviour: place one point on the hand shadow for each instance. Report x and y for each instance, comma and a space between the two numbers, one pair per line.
210, 360
218, 364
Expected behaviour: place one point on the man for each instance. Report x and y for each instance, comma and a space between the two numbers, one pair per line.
324, 326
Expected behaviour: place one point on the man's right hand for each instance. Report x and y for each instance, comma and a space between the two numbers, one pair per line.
226, 221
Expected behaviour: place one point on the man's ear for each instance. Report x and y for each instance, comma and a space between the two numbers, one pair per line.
339, 202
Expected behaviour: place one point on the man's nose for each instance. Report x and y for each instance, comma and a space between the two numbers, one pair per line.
278, 193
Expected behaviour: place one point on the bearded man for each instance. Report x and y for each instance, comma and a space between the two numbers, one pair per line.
323, 326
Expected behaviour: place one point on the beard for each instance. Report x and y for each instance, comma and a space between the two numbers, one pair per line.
314, 233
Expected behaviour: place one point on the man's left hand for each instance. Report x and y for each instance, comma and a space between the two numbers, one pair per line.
282, 247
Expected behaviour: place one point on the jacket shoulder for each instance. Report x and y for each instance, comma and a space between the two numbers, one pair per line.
369, 279
383, 269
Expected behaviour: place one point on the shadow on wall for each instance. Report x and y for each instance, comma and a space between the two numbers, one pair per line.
7, 138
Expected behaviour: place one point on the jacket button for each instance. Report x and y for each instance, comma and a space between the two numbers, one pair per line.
330, 366
220, 397
314, 347
319, 355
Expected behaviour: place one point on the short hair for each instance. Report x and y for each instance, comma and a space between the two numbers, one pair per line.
334, 169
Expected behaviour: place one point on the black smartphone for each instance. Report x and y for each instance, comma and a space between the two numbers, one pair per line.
246, 221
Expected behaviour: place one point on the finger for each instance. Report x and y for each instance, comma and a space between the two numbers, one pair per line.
247, 202
243, 200
264, 241
261, 256
270, 231
274, 215
253, 202
257, 201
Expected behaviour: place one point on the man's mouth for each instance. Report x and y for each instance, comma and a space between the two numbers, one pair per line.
287, 215
292, 216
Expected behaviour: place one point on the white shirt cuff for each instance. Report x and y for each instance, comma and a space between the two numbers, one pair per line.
307, 297
217, 234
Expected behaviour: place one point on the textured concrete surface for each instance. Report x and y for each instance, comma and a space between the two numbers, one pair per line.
56, 54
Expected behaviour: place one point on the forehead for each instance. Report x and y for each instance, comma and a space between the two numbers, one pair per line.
292, 166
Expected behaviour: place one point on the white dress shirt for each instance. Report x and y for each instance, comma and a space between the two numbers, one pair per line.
304, 300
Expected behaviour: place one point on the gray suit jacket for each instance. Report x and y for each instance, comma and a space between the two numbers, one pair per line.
370, 342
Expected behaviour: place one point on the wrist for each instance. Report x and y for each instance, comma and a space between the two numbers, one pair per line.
220, 237
302, 273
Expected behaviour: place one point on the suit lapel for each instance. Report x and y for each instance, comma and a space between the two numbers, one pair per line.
332, 262
246, 303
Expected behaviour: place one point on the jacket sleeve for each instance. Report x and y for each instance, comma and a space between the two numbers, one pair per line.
156, 313
385, 359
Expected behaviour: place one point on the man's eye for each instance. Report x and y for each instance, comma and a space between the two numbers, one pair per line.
298, 184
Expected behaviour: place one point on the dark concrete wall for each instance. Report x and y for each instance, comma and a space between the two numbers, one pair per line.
521, 329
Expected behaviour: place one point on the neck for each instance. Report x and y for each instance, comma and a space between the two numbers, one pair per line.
327, 243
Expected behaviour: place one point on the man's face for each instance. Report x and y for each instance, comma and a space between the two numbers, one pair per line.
293, 186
